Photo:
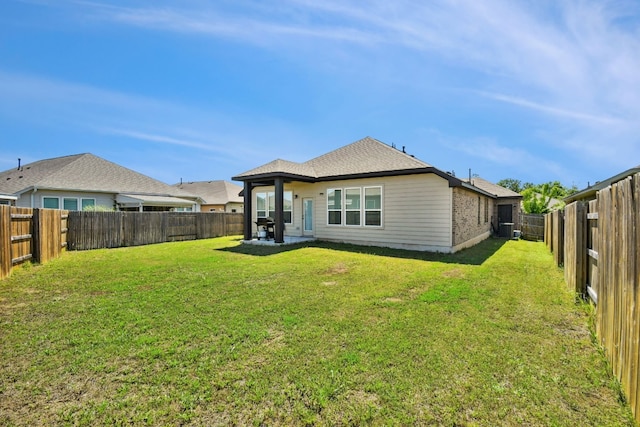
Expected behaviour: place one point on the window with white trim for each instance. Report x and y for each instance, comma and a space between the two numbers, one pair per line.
355, 206
334, 206
51, 203
352, 206
88, 204
266, 205
373, 206
70, 203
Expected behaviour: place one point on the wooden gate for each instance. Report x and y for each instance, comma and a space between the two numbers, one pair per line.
30, 234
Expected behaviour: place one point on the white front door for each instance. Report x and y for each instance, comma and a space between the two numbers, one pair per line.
307, 217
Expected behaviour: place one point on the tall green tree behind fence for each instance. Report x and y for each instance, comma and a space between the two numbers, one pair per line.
600, 245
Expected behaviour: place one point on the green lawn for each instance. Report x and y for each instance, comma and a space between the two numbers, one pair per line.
212, 332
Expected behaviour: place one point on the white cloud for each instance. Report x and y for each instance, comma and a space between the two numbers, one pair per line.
573, 62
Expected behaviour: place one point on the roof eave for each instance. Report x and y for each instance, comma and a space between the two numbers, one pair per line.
273, 175
477, 190
591, 191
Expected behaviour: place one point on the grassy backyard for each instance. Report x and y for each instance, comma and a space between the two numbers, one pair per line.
212, 332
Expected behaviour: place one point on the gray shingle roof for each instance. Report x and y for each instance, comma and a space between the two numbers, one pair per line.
367, 155
214, 192
589, 193
281, 166
492, 188
83, 172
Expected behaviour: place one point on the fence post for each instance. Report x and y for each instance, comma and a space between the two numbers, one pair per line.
558, 237
36, 235
5, 241
575, 247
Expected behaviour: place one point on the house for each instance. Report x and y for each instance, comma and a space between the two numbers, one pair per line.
217, 196
369, 193
6, 199
591, 191
85, 181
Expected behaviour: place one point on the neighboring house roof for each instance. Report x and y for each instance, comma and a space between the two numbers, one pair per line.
217, 192
367, 157
492, 188
150, 200
589, 193
83, 172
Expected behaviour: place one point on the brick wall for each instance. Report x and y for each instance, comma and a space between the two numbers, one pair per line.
466, 206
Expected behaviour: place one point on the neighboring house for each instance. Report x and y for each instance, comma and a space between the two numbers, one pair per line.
507, 204
591, 191
217, 196
369, 193
6, 199
83, 181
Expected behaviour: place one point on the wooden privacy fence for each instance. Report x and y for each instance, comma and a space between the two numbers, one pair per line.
554, 234
95, 230
532, 226
41, 234
30, 234
601, 253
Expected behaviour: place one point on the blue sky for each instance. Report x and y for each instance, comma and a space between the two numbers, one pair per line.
533, 90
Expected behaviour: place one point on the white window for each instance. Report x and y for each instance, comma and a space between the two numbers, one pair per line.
373, 206
346, 207
334, 206
51, 203
352, 206
266, 205
88, 204
70, 204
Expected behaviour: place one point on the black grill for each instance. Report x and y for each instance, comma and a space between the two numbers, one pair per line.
267, 226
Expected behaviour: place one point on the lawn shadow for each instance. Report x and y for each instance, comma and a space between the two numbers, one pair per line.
475, 255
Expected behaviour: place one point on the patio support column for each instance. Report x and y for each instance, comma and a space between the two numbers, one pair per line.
248, 209
279, 218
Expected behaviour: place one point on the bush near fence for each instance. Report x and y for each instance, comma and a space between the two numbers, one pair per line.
41, 234
599, 245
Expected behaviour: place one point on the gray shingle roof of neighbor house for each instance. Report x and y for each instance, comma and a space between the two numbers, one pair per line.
217, 192
492, 188
83, 172
589, 193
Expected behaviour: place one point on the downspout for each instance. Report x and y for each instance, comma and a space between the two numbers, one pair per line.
35, 189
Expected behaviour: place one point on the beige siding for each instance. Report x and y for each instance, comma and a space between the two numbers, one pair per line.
416, 213
211, 208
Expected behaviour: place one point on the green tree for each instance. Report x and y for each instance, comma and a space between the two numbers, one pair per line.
537, 199
511, 184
